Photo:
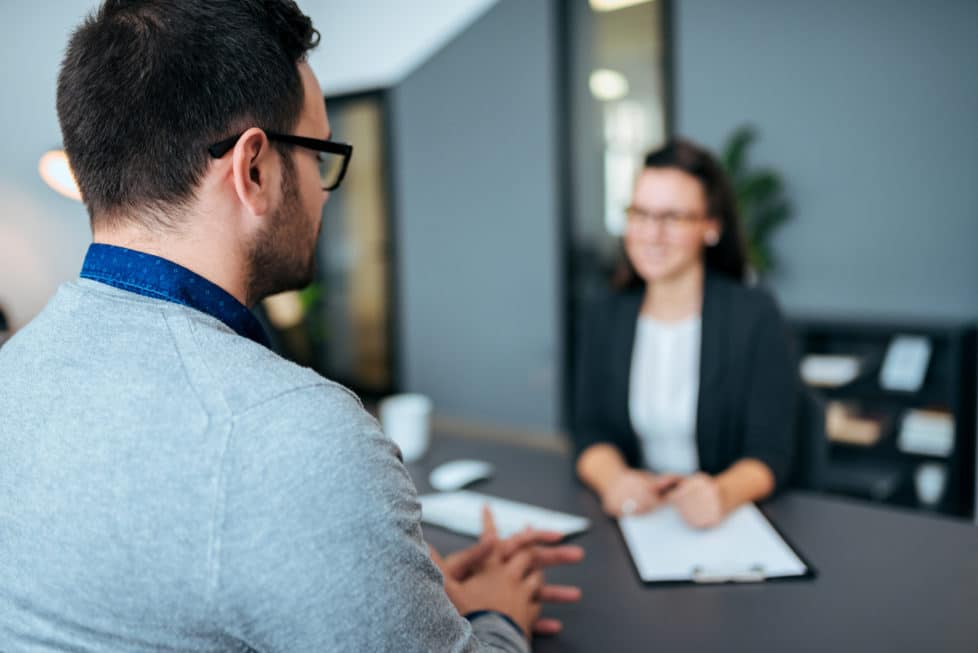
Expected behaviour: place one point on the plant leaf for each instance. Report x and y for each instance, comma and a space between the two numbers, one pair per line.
759, 195
767, 219
734, 158
758, 188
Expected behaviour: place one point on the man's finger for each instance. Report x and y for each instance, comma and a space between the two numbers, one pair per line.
550, 556
521, 564
489, 533
439, 561
529, 537
559, 594
547, 626
516, 542
460, 564
534, 581
451, 584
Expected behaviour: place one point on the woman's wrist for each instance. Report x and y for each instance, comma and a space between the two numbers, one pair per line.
730, 499
746, 480
599, 466
608, 477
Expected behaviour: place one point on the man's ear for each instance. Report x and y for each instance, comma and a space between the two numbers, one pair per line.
255, 170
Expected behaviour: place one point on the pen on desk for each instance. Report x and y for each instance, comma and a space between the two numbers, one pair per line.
668, 487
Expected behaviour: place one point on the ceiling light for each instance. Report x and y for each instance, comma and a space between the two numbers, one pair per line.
56, 172
608, 85
611, 5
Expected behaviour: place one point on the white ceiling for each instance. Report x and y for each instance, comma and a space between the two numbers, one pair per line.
368, 44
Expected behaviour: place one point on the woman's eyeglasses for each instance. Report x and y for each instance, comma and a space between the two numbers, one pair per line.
672, 220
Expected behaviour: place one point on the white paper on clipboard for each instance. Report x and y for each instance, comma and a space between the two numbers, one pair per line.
745, 547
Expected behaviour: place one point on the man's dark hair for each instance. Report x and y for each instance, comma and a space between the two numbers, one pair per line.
147, 85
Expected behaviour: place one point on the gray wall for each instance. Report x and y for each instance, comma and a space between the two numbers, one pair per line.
43, 236
478, 275
475, 170
870, 109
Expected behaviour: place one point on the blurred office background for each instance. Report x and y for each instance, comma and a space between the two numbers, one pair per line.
496, 141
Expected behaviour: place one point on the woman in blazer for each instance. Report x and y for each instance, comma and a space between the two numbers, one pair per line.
685, 383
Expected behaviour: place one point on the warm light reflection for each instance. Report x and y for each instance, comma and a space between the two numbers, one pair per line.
56, 173
285, 310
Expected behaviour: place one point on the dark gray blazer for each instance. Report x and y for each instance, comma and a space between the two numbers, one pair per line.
748, 378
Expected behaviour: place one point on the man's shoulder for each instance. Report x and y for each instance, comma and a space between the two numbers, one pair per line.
320, 436
249, 375
321, 418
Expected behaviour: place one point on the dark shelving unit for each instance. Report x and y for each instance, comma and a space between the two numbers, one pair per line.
882, 471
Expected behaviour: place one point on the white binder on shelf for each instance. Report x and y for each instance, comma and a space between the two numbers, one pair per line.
744, 548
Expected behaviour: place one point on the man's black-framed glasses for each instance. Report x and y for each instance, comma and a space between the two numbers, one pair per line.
333, 157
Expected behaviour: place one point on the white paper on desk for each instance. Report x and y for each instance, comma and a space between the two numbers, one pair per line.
461, 512
664, 548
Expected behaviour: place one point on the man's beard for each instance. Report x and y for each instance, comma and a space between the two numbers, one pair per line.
282, 258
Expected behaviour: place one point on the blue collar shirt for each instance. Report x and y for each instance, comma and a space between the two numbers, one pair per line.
152, 276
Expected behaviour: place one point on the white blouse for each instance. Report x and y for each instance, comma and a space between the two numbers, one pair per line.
663, 393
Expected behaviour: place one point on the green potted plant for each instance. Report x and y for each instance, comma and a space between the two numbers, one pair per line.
760, 197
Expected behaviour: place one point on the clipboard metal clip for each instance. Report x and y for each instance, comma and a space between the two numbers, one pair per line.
752, 574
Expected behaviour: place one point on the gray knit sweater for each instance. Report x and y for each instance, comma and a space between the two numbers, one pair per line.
167, 485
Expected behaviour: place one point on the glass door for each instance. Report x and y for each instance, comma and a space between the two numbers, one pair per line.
342, 325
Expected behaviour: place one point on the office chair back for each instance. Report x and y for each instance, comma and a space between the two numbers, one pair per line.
811, 443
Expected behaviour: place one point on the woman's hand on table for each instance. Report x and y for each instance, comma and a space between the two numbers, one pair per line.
699, 500
635, 491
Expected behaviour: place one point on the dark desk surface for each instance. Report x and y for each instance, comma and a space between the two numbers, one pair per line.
888, 580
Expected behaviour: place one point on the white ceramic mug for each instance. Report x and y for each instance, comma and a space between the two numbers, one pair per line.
406, 419
929, 479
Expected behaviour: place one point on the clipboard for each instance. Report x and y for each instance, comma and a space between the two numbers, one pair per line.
745, 548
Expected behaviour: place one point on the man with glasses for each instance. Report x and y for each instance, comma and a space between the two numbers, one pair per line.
167, 483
